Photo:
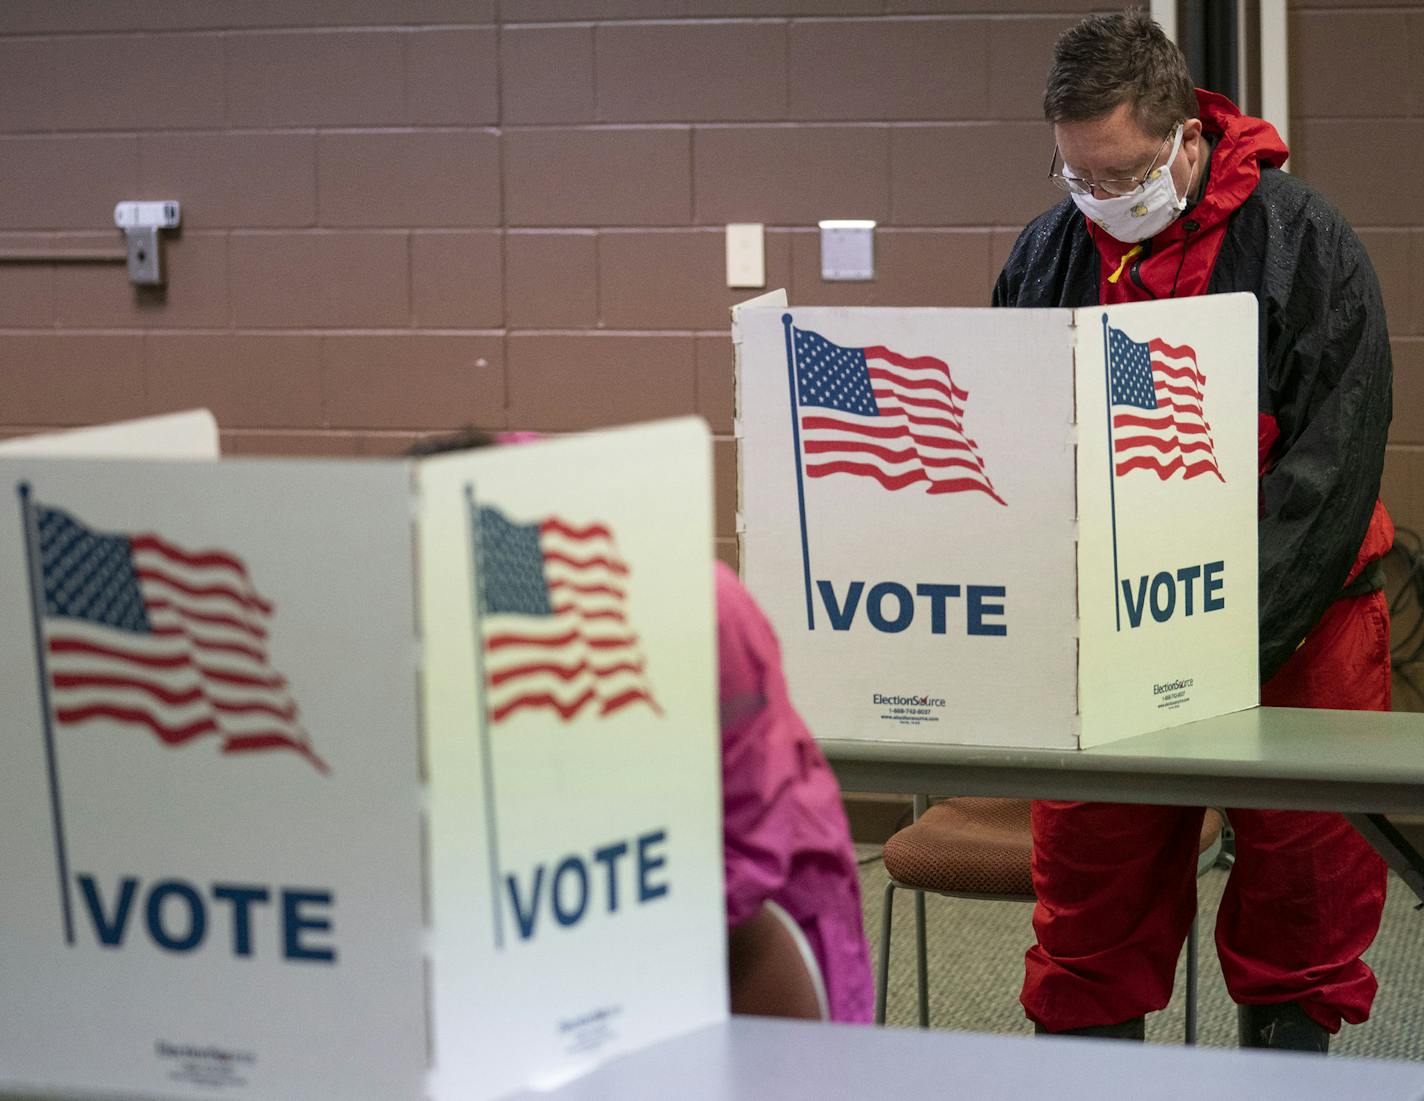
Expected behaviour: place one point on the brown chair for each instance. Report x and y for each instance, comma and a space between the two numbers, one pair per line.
771, 969
983, 848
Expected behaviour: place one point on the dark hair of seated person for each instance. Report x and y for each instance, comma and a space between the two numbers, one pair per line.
468, 438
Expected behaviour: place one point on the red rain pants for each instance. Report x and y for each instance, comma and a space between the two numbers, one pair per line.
1116, 883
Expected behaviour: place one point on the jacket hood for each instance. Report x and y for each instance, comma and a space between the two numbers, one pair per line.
1240, 146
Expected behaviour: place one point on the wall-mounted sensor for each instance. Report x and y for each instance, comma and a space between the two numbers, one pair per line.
163, 214
141, 222
847, 250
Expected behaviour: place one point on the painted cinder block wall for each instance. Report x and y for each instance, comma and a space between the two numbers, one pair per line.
406, 215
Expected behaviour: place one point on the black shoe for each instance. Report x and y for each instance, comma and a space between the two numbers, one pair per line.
1131, 1029
1283, 1027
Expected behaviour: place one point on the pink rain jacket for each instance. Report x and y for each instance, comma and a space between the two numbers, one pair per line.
785, 832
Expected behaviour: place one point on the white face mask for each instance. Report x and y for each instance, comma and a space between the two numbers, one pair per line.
1144, 213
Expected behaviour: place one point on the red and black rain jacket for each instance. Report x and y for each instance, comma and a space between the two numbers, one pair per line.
1325, 369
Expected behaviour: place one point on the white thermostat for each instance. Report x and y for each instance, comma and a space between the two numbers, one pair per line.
847, 250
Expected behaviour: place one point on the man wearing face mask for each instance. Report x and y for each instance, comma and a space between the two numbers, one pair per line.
1173, 192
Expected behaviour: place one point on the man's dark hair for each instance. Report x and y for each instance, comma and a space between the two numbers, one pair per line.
1125, 57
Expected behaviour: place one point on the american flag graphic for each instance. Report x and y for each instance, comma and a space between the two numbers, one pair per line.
1157, 416
556, 630
877, 414
141, 632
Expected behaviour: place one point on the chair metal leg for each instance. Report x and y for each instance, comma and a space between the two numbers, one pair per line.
884, 986
1192, 984
921, 803
922, 974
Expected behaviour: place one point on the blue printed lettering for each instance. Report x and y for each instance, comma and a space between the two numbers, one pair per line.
178, 915
649, 863
890, 606
573, 884
197, 924
569, 915
1186, 575
608, 856
1163, 605
1134, 607
978, 609
1212, 582
842, 615
875, 607
242, 899
526, 917
939, 596
1158, 592
295, 923
109, 930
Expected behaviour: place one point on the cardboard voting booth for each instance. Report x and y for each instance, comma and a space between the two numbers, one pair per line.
369, 780
189, 435
1025, 528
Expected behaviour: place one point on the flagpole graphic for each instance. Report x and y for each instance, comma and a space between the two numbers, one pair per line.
32, 558
486, 750
800, 486
1112, 470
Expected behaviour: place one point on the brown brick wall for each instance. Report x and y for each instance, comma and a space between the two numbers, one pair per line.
1357, 95
401, 215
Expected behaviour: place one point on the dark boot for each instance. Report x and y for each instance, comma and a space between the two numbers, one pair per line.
1131, 1029
1283, 1027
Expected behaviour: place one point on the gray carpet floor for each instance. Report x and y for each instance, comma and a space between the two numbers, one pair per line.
976, 953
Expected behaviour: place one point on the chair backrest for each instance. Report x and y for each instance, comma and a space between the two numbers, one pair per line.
772, 971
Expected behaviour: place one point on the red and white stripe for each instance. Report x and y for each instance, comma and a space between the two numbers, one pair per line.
584, 655
1175, 436
918, 438
203, 671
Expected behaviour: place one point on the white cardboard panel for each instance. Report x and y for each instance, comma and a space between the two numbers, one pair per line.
544, 999
1160, 648
328, 545
929, 679
189, 435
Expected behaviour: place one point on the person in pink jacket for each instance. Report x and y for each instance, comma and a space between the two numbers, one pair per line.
785, 837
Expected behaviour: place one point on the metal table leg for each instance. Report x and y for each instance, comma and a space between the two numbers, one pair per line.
1398, 853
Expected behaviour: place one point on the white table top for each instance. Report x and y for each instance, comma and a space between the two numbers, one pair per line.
749, 1059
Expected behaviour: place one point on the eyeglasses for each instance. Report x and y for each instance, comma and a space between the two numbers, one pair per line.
1075, 185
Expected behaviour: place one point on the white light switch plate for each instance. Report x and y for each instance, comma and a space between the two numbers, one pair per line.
746, 255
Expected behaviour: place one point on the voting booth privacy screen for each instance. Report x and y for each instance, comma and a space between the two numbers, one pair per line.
357, 779
1004, 527
188, 435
